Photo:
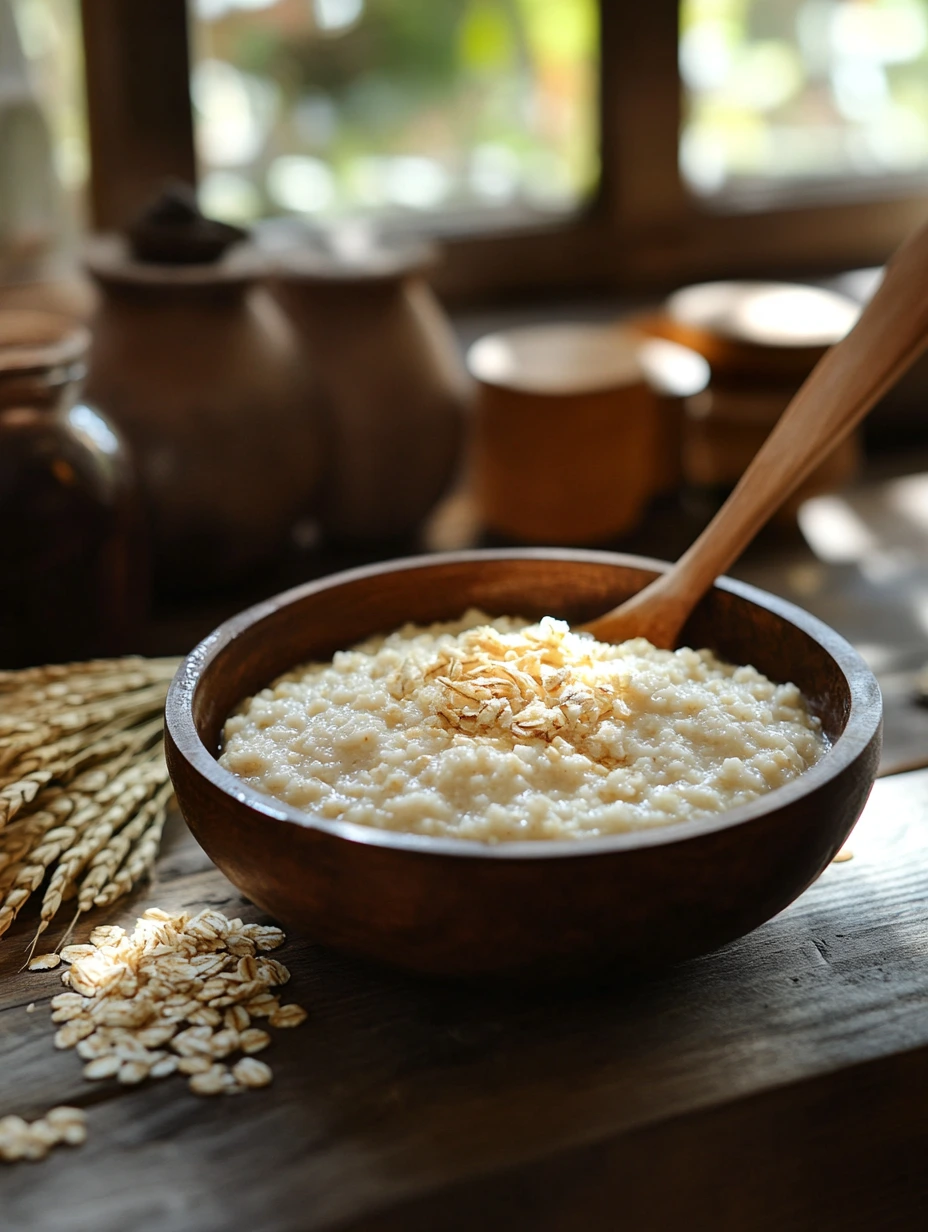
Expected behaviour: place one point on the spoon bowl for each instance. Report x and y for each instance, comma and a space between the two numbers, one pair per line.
532, 910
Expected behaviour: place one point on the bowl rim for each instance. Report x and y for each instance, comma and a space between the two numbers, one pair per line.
863, 723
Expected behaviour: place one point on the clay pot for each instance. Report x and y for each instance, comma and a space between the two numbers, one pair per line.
395, 385
202, 371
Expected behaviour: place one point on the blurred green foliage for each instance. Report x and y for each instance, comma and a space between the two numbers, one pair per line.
513, 83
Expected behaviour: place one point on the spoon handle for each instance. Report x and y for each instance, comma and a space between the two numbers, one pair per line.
853, 375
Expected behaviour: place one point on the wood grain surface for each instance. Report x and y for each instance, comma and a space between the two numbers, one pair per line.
779, 1083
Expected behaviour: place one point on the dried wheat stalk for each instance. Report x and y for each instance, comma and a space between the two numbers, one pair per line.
83, 785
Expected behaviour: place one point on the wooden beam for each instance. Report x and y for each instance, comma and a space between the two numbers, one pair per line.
138, 102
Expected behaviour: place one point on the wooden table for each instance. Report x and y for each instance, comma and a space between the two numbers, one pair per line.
781, 1083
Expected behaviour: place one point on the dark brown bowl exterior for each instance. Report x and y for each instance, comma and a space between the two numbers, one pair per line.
536, 910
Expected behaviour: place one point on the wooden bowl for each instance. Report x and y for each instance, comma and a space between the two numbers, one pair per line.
531, 909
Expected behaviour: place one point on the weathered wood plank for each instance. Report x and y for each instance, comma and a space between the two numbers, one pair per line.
832, 1154
407, 1105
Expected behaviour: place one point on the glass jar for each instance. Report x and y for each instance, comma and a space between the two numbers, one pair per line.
72, 562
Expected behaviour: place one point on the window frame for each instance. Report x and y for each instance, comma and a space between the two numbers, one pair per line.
642, 232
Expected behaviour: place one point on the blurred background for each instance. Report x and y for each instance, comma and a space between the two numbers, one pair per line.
495, 116
367, 277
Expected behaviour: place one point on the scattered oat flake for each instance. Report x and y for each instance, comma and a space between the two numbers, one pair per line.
252, 1073
73, 1032
155, 913
212, 1082
265, 936
71, 1124
188, 985
24, 1140
73, 953
273, 971
194, 1065
262, 1006
44, 962
102, 1067
131, 1072
163, 1068
288, 1016
225, 1042
66, 999
253, 1040
107, 934
237, 1018
843, 856
93, 1046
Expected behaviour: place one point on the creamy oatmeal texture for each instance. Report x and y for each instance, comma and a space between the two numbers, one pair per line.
496, 730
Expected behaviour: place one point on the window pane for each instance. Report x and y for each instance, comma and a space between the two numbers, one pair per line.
44, 60
451, 108
803, 91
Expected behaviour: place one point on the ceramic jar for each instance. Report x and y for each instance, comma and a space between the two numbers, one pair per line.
395, 385
203, 373
72, 560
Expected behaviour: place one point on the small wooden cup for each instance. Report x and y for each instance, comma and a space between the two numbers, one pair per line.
566, 432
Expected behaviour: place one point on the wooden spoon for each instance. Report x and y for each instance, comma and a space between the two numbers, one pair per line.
889, 335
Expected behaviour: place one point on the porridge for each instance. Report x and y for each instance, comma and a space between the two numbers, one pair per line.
497, 730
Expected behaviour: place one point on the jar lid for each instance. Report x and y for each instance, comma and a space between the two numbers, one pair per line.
763, 329
33, 341
560, 359
109, 259
172, 230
